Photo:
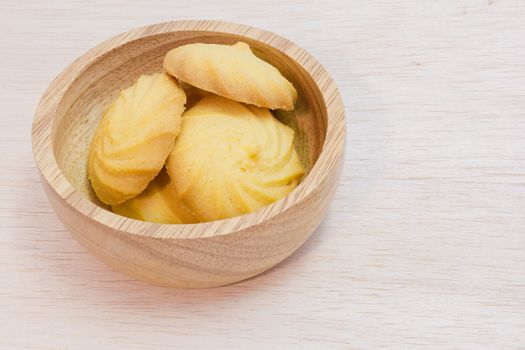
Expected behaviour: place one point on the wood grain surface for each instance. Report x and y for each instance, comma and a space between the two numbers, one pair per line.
424, 246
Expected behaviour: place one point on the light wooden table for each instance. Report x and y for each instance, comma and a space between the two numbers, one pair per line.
424, 246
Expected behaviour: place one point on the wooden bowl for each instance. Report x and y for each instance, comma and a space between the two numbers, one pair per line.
197, 255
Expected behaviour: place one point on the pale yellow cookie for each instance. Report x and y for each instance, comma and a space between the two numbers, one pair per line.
230, 159
158, 203
233, 72
134, 137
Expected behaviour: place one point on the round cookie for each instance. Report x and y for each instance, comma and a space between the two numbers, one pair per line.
134, 137
157, 203
230, 159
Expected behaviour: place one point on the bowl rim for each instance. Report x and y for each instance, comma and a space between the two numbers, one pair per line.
327, 162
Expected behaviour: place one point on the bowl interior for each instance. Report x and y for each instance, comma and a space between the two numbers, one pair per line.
97, 85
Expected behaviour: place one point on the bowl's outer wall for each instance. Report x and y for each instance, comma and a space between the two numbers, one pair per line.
202, 262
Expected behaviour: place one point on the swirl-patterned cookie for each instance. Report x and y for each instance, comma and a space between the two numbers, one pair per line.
230, 159
233, 72
134, 137
158, 203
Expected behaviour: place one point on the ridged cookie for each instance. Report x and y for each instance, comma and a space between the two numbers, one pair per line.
233, 72
158, 203
230, 159
134, 137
